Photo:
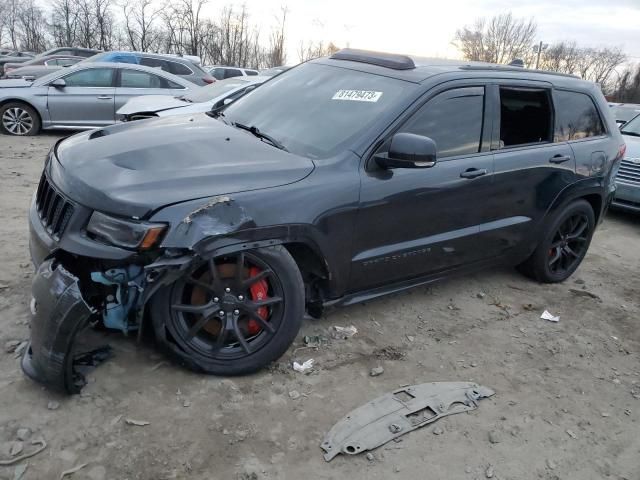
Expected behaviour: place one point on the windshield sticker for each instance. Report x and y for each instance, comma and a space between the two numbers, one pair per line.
357, 95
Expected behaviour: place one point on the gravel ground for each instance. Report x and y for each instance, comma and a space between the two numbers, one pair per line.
567, 403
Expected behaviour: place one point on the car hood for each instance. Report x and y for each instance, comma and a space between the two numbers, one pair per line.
133, 169
18, 82
633, 146
150, 103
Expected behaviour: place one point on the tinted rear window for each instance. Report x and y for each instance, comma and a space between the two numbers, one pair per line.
576, 117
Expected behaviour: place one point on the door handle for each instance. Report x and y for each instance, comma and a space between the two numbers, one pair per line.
104, 97
473, 172
559, 159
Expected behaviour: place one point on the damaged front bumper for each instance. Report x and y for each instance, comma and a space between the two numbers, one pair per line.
56, 356
59, 315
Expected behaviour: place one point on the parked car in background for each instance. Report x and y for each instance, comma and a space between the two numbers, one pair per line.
623, 112
70, 52
628, 176
180, 66
221, 72
14, 57
200, 100
270, 72
39, 66
85, 95
344, 179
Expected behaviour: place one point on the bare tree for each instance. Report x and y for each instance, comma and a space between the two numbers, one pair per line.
277, 55
605, 60
140, 19
11, 14
311, 50
64, 22
32, 27
627, 89
497, 40
104, 24
561, 57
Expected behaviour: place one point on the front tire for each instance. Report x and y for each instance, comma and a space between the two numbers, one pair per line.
564, 246
20, 119
233, 314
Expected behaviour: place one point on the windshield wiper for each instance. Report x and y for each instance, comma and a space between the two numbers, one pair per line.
184, 99
262, 136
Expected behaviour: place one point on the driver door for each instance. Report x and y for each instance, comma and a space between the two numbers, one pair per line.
86, 100
417, 221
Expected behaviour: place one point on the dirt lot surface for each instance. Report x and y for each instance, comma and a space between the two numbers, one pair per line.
567, 403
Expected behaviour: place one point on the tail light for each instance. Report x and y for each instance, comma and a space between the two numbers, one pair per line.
208, 80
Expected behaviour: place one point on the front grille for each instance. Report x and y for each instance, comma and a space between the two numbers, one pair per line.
53, 209
629, 172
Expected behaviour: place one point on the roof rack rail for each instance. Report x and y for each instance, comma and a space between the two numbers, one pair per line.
511, 68
388, 60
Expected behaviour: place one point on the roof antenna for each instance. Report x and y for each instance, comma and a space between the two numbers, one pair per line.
517, 62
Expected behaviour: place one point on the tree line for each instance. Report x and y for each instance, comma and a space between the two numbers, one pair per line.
180, 26
177, 26
503, 38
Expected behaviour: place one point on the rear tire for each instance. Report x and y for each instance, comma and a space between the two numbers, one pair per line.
564, 245
216, 321
19, 119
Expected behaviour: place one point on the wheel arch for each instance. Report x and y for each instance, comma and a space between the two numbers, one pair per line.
319, 273
592, 190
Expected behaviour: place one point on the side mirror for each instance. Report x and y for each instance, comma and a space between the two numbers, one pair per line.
58, 83
408, 150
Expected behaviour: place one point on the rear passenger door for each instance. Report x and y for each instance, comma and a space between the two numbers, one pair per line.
531, 168
133, 83
414, 222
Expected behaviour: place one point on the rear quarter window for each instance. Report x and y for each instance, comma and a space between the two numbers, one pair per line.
179, 69
576, 117
155, 63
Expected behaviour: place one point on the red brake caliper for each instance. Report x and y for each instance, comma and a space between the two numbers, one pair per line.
258, 292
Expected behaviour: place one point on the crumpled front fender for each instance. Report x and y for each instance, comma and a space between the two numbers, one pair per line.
59, 314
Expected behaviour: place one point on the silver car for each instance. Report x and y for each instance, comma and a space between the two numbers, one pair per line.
86, 95
628, 176
201, 100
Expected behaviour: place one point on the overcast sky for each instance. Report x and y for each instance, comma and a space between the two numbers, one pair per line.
426, 27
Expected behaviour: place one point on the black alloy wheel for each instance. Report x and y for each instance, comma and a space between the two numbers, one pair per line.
232, 314
564, 245
569, 244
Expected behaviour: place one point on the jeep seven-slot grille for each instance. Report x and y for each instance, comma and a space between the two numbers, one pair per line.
54, 210
629, 172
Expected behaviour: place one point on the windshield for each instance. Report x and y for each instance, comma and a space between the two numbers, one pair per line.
632, 127
313, 110
625, 113
209, 92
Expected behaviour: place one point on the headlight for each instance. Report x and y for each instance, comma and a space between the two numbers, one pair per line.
125, 233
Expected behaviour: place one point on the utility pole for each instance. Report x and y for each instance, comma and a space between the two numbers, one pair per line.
539, 51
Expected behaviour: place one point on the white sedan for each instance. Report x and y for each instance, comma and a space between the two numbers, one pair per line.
201, 100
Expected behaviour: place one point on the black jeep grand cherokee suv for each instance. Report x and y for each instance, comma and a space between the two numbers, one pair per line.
343, 179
